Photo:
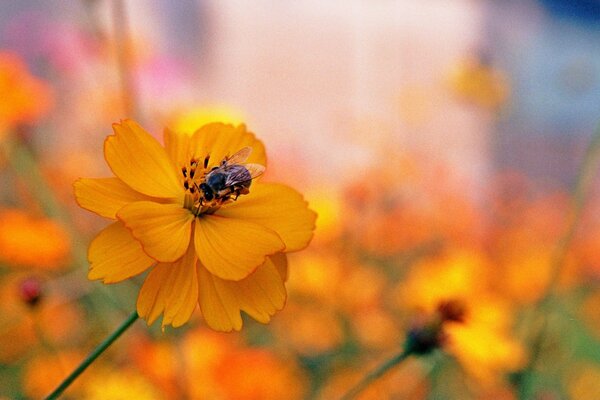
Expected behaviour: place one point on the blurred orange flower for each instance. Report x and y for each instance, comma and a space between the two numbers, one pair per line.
256, 374
185, 223
31, 241
206, 365
44, 372
30, 316
24, 97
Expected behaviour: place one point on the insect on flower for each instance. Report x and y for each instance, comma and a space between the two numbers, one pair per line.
229, 178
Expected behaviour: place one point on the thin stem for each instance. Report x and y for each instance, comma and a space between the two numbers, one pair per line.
376, 374
92, 357
583, 185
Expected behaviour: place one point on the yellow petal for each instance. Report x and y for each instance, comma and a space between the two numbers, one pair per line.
221, 140
177, 147
260, 295
281, 263
162, 229
141, 162
233, 248
279, 208
105, 196
170, 289
115, 255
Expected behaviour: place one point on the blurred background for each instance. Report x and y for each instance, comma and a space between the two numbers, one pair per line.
439, 141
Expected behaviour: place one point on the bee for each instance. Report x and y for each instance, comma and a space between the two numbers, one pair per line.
230, 177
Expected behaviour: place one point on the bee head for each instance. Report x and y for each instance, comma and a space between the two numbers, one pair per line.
208, 192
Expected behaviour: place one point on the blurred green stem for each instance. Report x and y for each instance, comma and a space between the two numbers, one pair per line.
376, 374
92, 357
583, 185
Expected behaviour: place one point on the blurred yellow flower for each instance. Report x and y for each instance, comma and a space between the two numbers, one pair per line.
483, 342
120, 384
190, 119
479, 83
206, 238
584, 381
20, 229
24, 97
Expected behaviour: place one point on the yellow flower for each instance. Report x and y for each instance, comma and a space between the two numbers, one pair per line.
222, 247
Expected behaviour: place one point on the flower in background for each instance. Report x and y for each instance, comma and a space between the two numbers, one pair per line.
584, 381
24, 97
482, 343
122, 383
206, 240
207, 365
51, 243
189, 119
32, 315
476, 81
44, 371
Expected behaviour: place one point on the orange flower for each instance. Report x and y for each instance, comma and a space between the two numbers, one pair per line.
20, 230
206, 365
24, 98
255, 374
30, 316
207, 238
44, 372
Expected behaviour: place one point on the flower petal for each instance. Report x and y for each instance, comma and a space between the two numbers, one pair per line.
162, 229
281, 263
141, 162
105, 196
115, 255
277, 207
170, 289
233, 248
222, 140
260, 295
177, 147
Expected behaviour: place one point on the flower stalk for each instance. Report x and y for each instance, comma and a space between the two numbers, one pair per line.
377, 373
422, 339
93, 356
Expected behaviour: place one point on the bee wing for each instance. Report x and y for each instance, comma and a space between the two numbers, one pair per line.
239, 156
255, 170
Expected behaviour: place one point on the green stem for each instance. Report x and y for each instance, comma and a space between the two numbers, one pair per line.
376, 374
92, 357
580, 193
